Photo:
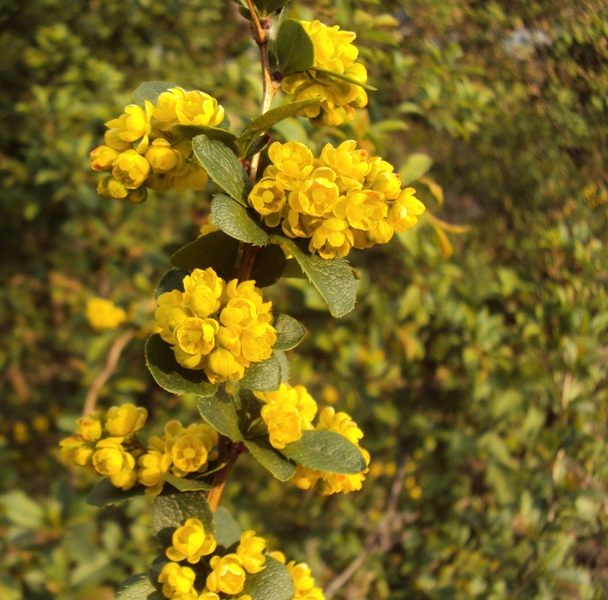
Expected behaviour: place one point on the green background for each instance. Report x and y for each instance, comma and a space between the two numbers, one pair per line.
480, 380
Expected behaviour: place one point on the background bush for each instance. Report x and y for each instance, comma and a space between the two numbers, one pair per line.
479, 380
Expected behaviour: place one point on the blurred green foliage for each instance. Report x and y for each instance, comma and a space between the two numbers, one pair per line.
480, 382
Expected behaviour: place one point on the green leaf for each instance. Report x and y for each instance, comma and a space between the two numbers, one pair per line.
415, 167
334, 279
186, 485
235, 220
138, 587
105, 494
222, 166
173, 280
269, 7
227, 530
216, 250
187, 132
263, 376
268, 265
171, 376
270, 458
293, 270
284, 363
294, 48
289, 332
352, 80
220, 413
273, 583
326, 451
21, 510
172, 511
268, 119
151, 90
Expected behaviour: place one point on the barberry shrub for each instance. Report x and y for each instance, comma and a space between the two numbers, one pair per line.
216, 336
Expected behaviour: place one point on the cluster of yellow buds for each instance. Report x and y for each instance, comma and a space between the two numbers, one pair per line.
291, 410
141, 153
109, 446
228, 572
334, 51
303, 582
218, 326
342, 200
104, 314
332, 483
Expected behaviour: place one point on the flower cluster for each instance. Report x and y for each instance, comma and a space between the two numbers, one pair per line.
332, 483
291, 410
224, 574
220, 327
109, 446
334, 52
104, 314
342, 200
303, 582
141, 152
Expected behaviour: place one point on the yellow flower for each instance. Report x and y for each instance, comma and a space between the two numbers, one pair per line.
268, 200
250, 552
102, 158
316, 196
333, 48
197, 108
303, 583
228, 575
189, 454
191, 542
382, 233
405, 211
239, 314
223, 365
113, 140
152, 464
333, 483
363, 209
176, 580
305, 478
90, 427
351, 165
126, 420
209, 278
162, 157
196, 339
331, 237
137, 124
190, 177
76, 451
287, 412
104, 314
130, 168
257, 342
330, 420
112, 460
293, 159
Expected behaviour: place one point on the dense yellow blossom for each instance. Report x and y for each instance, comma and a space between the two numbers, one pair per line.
104, 314
220, 327
191, 542
303, 583
125, 420
141, 152
112, 460
339, 201
334, 52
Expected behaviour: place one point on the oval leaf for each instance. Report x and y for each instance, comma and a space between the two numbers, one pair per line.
171, 511
264, 376
284, 364
222, 166
173, 280
270, 459
326, 451
346, 78
106, 494
334, 279
294, 48
220, 413
186, 485
138, 587
264, 122
151, 90
289, 332
235, 220
415, 167
273, 583
187, 132
227, 530
216, 250
170, 375
268, 266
